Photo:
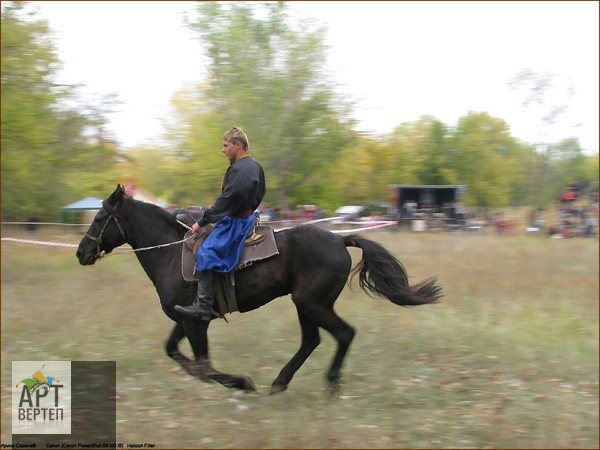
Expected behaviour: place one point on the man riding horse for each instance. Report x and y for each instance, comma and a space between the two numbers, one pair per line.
233, 215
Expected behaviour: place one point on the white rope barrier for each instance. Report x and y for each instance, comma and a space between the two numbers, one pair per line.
29, 241
365, 226
48, 223
373, 227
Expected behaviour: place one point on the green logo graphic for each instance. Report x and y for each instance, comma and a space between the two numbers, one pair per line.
38, 380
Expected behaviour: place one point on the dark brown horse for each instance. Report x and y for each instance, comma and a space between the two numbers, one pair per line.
313, 266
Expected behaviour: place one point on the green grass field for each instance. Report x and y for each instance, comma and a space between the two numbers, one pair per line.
508, 359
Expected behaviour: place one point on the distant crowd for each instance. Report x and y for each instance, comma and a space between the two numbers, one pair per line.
575, 222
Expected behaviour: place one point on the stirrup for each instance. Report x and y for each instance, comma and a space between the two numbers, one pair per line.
191, 312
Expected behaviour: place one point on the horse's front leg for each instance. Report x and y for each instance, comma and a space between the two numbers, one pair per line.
197, 334
172, 349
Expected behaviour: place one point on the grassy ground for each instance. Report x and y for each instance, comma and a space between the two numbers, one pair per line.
509, 359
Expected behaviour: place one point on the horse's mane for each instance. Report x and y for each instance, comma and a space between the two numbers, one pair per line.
151, 208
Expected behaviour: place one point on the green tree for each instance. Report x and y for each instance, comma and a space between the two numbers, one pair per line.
363, 172
189, 168
436, 155
487, 159
28, 61
409, 142
268, 77
44, 143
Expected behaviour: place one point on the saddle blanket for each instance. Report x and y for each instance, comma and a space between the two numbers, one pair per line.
260, 245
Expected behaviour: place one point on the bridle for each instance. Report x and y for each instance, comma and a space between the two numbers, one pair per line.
112, 215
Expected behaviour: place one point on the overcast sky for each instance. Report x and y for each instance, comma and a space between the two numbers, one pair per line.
397, 60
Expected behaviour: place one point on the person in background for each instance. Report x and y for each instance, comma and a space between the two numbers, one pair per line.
31, 225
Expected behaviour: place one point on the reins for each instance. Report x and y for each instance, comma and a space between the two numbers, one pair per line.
142, 249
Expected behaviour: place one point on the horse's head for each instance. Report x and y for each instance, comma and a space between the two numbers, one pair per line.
105, 233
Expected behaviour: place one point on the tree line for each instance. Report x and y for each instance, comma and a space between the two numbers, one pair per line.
266, 74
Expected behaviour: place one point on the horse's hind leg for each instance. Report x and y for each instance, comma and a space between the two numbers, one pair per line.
319, 311
343, 334
315, 310
310, 340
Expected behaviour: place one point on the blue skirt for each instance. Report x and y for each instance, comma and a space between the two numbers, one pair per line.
222, 249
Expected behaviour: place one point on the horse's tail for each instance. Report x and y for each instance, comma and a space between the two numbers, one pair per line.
383, 274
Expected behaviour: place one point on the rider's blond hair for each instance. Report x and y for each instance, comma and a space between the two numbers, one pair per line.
236, 134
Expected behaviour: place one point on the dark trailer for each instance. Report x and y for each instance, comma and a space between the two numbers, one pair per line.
413, 201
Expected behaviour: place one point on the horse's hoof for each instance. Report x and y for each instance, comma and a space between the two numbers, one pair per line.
248, 385
277, 388
334, 388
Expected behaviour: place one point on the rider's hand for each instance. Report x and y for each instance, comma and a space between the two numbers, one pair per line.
195, 228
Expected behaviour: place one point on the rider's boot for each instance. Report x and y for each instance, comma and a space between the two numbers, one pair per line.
201, 309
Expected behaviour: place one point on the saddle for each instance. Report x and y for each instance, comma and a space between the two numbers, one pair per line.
260, 244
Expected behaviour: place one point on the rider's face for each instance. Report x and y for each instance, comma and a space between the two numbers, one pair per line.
232, 150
